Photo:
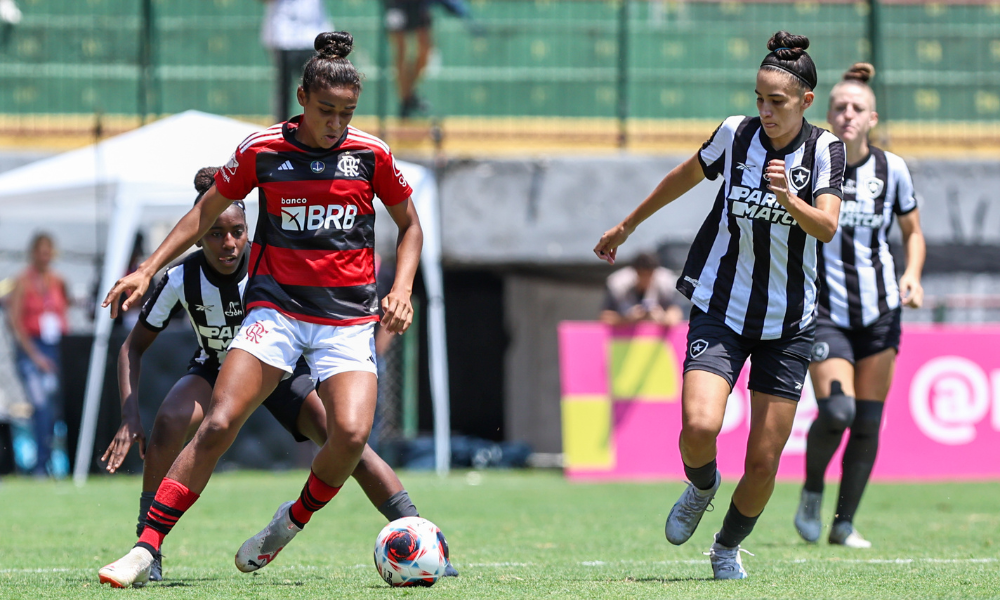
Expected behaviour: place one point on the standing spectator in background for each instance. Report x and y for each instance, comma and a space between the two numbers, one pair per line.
406, 18
288, 31
641, 292
37, 311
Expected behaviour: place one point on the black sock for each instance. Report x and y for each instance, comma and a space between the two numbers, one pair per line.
735, 527
398, 506
702, 477
859, 458
145, 501
836, 414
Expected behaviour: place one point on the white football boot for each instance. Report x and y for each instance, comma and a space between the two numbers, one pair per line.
726, 562
807, 518
688, 510
261, 549
844, 534
129, 570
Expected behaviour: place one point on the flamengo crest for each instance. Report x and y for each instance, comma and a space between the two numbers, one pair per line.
348, 165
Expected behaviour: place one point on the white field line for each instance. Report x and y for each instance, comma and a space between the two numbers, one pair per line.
600, 563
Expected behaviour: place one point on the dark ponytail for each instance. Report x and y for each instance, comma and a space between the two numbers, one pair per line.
204, 179
329, 67
788, 54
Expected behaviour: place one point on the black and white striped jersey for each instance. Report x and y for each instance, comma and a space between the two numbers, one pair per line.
751, 265
857, 275
213, 302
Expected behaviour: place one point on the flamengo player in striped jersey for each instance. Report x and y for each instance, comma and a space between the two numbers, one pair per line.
858, 331
751, 275
311, 293
208, 285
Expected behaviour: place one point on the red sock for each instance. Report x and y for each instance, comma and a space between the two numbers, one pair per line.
172, 499
315, 494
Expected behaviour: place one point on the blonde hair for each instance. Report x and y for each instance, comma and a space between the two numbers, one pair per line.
859, 74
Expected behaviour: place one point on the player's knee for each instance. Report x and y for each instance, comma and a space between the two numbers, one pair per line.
170, 423
761, 469
216, 429
868, 419
836, 412
699, 433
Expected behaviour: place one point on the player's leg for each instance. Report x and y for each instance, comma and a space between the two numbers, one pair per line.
832, 374
297, 406
771, 419
243, 383
873, 375
177, 419
778, 371
343, 359
714, 358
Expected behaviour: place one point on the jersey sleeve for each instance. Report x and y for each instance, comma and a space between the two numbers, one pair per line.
389, 183
239, 176
906, 198
831, 160
164, 303
713, 152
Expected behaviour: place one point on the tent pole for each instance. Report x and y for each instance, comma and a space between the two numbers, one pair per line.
120, 239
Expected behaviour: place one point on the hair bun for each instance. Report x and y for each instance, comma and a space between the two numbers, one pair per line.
787, 46
861, 71
204, 179
334, 44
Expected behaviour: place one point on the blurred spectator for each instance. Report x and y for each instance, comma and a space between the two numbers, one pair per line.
37, 313
406, 18
642, 292
288, 30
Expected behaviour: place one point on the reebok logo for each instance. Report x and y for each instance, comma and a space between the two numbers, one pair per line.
745, 167
311, 218
286, 166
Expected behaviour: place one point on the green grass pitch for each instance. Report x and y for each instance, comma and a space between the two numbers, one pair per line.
512, 534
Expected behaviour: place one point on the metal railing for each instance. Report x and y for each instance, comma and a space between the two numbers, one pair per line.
521, 75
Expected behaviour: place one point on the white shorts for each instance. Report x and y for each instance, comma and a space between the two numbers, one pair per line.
279, 341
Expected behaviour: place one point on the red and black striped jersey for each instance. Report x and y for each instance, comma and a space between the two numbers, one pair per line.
313, 257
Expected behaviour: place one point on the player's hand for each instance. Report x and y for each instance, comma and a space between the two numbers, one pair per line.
397, 312
134, 285
777, 181
910, 291
607, 248
128, 433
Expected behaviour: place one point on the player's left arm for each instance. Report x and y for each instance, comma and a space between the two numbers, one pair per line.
911, 292
397, 306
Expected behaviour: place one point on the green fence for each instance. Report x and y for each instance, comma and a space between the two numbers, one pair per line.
627, 61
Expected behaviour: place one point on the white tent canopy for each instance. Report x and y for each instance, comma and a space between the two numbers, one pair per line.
147, 174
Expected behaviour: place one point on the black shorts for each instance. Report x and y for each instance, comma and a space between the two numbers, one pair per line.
285, 402
407, 15
853, 345
778, 367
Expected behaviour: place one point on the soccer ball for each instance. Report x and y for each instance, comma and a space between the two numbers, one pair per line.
410, 551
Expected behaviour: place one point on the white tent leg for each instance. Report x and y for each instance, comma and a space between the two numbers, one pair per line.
121, 236
425, 199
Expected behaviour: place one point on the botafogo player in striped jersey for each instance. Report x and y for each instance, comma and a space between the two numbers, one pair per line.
858, 330
751, 276
311, 293
208, 287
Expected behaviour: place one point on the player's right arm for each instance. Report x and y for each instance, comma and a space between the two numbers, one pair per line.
129, 366
677, 182
188, 230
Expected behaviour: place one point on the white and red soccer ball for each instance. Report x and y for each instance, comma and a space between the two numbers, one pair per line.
410, 551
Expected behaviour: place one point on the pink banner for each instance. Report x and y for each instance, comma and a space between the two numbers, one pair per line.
621, 391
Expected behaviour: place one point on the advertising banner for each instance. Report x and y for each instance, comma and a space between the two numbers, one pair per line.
621, 399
